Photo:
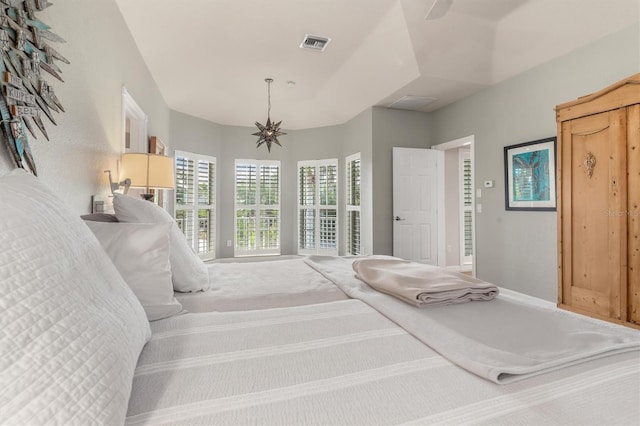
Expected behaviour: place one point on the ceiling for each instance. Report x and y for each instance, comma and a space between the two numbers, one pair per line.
210, 57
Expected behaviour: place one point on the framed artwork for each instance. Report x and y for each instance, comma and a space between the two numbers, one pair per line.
134, 124
530, 175
156, 146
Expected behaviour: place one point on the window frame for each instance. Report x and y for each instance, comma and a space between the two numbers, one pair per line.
317, 207
352, 207
258, 207
196, 206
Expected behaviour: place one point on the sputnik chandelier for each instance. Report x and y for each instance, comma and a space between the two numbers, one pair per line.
268, 133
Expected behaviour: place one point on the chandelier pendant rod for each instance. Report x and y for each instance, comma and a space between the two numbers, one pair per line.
269, 81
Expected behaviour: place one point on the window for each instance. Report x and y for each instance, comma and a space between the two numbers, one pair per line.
257, 194
466, 219
353, 205
195, 201
318, 207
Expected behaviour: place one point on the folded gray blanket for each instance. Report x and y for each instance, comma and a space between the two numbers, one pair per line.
420, 284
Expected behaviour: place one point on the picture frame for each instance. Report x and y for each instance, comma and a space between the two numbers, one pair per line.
156, 146
530, 175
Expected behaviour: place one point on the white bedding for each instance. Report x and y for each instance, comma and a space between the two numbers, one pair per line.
510, 338
251, 285
72, 331
344, 363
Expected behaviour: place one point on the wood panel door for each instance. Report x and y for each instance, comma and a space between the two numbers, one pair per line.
633, 218
594, 219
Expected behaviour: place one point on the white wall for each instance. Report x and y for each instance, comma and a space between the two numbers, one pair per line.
88, 137
518, 249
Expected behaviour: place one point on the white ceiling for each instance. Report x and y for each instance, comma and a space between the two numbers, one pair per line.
210, 57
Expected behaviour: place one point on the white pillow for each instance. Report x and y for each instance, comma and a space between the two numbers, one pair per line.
72, 330
140, 252
189, 273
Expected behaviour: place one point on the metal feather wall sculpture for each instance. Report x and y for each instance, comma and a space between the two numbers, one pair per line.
25, 95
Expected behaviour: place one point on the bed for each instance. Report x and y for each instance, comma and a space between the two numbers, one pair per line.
88, 338
248, 284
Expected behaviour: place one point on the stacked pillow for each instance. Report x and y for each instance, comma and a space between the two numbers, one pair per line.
140, 252
188, 271
72, 329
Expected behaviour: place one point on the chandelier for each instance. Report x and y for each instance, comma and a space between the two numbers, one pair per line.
268, 133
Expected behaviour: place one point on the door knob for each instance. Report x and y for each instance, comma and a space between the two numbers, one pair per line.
397, 218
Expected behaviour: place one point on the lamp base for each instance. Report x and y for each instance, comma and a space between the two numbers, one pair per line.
148, 197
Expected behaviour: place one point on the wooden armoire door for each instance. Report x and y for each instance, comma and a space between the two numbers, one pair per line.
594, 213
633, 216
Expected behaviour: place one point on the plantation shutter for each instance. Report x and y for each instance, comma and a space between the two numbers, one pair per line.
467, 209
195, 204
353, 205
257, 195
318, 207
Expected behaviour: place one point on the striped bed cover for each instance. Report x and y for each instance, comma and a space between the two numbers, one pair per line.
344, 363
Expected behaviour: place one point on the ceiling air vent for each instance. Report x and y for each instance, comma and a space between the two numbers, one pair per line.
413, 103
312, 42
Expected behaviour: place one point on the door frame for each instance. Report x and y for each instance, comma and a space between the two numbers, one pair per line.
454, 144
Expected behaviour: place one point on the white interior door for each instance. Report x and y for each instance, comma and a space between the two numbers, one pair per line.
417, 200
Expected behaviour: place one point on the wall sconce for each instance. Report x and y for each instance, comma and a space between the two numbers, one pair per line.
114, 186
147, 171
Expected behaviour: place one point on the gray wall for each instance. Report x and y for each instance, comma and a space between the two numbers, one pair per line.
88, 137
316, 144
518, 249
228, 143
193, 134
358, 135
373, 133
407, 129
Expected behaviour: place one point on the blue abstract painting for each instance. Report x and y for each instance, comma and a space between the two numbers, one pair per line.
531, 176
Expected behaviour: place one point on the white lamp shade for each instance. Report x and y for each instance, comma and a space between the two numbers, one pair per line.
147, 170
